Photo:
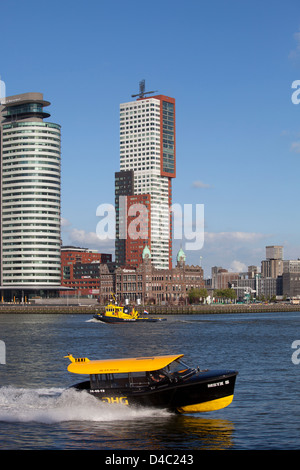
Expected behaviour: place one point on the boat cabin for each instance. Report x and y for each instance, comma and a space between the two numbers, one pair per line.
134, 373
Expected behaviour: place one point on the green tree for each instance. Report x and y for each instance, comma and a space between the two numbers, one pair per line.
225, 293
195, 295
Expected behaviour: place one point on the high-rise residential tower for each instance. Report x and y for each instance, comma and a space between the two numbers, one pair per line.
30, 152
148, 156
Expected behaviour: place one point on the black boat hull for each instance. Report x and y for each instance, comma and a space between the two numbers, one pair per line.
204, 391
106, 319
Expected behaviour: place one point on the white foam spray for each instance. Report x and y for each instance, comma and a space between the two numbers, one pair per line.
54, 405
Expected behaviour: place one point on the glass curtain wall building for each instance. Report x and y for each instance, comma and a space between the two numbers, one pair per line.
30, 194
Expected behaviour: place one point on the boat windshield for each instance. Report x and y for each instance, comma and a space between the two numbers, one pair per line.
179, 368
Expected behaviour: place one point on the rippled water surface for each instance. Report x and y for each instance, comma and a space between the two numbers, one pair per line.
38, 411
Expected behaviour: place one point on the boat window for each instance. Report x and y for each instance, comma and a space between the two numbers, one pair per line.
137, 379
159, 377
96, 381
102, 380
121, 380
109, 380
179, 368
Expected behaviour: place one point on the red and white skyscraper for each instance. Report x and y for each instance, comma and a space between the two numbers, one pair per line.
147, 166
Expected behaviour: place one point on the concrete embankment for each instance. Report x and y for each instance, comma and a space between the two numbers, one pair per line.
153, 309
223, 308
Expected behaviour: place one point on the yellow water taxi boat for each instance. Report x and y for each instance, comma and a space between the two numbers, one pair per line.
157, 381
114, 313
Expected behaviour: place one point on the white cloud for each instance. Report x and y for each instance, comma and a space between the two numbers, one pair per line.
200, 184
295, 147
84, 239
238, 267
81, 236
65, 222
234, 250
295, 53
234, 236
90, 240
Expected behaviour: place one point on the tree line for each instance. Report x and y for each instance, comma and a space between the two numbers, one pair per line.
196, 295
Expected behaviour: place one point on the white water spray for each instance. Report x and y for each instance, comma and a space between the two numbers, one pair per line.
54, 405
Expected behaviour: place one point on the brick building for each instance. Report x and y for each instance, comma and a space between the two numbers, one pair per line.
222, 278
149, 284
80, 270
138, 227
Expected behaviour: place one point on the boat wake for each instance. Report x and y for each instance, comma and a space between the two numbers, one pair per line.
54, 405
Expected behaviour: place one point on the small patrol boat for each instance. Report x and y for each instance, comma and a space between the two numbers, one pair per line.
158, 381
114, 313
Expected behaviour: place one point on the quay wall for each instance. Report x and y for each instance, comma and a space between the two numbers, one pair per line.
153, 309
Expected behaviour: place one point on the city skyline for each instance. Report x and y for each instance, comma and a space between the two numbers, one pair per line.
230, 67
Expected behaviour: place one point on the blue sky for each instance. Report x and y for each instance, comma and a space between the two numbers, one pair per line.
229, 65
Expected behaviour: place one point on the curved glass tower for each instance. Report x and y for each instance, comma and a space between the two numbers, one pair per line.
30, 193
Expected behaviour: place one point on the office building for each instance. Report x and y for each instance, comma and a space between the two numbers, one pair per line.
291, 279
222, 278
123, 188
148, 162
30, 152
274, 252
272, 266
291, 266
80, 271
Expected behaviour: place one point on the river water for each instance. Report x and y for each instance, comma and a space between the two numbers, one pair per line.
39, 412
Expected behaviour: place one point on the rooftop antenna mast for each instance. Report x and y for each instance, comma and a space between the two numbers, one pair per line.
142, 92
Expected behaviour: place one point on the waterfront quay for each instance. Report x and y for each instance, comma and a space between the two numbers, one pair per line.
151, 309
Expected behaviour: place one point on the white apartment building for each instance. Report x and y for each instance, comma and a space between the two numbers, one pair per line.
30, 193
147, 146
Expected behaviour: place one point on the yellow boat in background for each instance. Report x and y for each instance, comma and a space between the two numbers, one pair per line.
158, 381
114, 313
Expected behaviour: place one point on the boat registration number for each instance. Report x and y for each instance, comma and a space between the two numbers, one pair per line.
218, 384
